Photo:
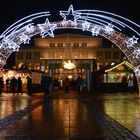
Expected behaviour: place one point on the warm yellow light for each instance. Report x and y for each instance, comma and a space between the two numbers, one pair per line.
69, 65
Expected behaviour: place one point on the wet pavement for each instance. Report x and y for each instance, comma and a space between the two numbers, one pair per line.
111, 116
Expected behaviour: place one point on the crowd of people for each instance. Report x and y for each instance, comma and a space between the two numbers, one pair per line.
79, 84
15, 85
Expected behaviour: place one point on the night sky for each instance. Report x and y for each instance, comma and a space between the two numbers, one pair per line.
13, 10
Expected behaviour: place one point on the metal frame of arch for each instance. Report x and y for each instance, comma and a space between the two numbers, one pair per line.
106, 24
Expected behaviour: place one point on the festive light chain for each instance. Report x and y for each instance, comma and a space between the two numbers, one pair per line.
95, 21
47, 29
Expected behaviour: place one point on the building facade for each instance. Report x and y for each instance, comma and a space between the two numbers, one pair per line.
51, 53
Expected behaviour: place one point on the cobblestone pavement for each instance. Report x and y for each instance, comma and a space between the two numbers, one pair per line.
69, 116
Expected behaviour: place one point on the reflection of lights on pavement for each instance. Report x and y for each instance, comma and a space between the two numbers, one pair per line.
137, 127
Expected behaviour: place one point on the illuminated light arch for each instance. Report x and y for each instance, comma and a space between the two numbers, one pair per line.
106, 24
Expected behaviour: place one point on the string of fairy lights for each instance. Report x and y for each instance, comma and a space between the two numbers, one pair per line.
106, 24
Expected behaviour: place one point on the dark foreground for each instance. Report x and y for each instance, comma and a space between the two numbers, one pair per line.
67, 116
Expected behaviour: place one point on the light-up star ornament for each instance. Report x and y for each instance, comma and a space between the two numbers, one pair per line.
47, 29
109, 28
136, 53
131, 41
70, 16
24, 38
11, 44
85, 25
30, 28
95, 31
137, 71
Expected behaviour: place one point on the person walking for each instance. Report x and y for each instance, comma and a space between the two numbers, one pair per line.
130, 84
29, 85
19, 85
124, 83
7, 84
1, 84
46, 83
79, 84
13, 85
66, 84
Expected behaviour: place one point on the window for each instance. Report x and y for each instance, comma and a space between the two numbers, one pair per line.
20, 55
84, 45
99, 54
76, 45
107, 55
60, 45
52, 45
51, 55
116, 55
36, 55
28, 55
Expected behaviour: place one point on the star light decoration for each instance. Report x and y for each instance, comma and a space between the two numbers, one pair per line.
2, 61
131, 41
137, 71
7, 43
85, 25
70, 13
47, 28
30, 28
24, 38
95, 31
136, 53
109, 28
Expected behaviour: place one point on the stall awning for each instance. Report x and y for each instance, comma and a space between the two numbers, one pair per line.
120, 67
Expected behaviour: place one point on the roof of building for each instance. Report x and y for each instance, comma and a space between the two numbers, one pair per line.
123, 66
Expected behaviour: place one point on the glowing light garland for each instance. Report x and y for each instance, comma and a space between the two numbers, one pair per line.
47, 29
30, 28
136, 53
132, 41
97, 22
25, 38
85, 25
74, 15
95, 31
137, 72
109, 28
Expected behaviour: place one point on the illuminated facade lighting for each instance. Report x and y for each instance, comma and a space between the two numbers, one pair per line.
69, 65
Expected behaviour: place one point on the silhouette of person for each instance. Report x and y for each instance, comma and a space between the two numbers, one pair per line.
124, 83
7, 84
66, 84
13, 84
130, 84
19, 85
46, 83
1, 84
29, 85
78, 83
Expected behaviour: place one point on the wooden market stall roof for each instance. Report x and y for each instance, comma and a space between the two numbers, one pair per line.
119, 67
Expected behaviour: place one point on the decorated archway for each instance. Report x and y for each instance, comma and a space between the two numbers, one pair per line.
111, 26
